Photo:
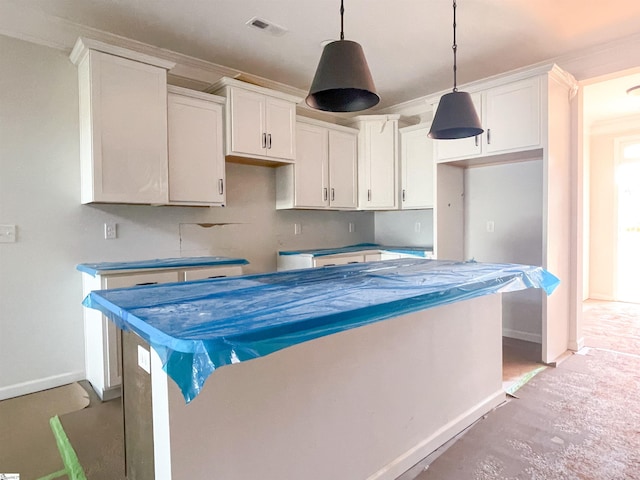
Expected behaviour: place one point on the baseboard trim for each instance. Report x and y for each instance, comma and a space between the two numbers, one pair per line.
520, 335
40, 384
414, 455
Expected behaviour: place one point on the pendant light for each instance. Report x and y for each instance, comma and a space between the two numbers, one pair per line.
456, 116
342, 82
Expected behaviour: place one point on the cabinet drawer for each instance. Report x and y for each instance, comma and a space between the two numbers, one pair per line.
337, 260
125, 280
214, 272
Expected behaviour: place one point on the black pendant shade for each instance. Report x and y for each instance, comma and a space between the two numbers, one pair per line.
342, 82
455, 117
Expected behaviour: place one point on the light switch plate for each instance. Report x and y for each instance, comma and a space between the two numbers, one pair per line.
7, 233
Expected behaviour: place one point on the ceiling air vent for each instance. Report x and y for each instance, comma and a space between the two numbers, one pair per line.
267, 26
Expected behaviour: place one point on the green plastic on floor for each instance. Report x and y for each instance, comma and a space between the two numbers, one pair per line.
523, 380
72, 468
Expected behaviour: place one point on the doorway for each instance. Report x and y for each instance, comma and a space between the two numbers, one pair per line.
627, 199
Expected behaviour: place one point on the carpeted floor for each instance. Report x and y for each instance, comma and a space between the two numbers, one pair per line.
27, 445
578, 421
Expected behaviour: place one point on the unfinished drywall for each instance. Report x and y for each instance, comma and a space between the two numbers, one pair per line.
503, 223
41, 327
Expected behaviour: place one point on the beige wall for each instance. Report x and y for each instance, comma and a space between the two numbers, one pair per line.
510, 195
41, 330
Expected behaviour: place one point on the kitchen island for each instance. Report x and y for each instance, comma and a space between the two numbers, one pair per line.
320, 398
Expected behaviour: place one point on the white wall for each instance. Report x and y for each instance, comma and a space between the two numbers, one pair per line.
510, 196
41, 334
408, 228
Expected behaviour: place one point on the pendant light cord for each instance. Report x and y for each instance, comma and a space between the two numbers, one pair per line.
341, 19
455, 50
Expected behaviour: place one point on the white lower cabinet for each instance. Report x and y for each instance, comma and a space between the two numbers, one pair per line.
196, 148
103, 348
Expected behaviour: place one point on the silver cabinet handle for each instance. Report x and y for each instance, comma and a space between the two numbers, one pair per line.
333, 194
369, 195
404, 195
269, 140
325, 196
476, 137
488, 135
264, 140
221, 186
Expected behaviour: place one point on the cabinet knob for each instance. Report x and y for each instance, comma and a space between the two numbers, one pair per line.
326, 195
488, 136
264, 140
333, 194
369, 195
476, 137
221, 186
404, 195
269, 140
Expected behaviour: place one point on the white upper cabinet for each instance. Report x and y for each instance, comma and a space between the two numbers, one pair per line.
324, 173
512, 120
416, 167
377, 162
343, 165
123, 124
196, 152
311, 170
260, 123
510, 115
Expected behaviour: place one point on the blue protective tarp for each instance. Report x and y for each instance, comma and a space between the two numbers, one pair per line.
98, 268
319, 252
199, 326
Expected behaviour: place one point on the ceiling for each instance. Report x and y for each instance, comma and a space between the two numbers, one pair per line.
407, 42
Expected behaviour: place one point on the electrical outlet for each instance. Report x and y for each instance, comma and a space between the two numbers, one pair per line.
110, 231
7, 233
490, 226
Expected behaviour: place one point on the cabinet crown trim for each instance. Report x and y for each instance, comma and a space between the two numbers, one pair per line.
232, 82
329, 125
187, 92
83, 45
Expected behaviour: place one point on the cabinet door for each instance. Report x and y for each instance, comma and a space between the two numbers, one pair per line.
343, 165
211, 272
311, 168
248, 132
416, 167
123, 109
196, 160
280, 128
463, 147
513, 116
379, 168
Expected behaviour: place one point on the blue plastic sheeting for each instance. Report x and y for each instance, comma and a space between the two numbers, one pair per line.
197, 327
319, 252
104, 267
